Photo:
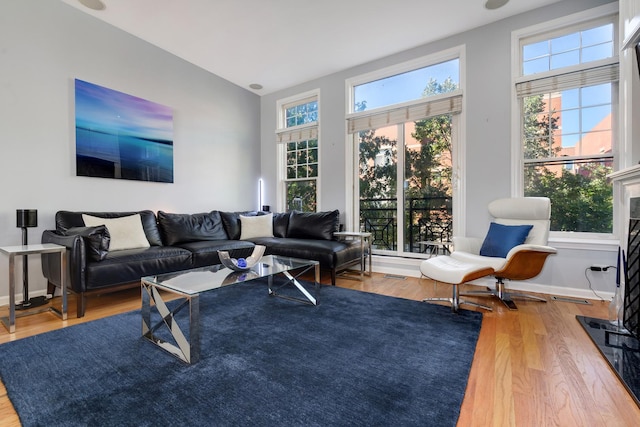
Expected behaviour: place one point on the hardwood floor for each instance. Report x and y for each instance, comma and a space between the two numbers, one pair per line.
533, 367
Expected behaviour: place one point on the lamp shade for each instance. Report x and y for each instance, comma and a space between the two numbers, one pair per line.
26, 218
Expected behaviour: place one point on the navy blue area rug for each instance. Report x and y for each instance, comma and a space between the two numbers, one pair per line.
357, 359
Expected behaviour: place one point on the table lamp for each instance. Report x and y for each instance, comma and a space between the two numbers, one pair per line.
26, 218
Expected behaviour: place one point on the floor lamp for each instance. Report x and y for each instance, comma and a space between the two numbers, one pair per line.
26, 218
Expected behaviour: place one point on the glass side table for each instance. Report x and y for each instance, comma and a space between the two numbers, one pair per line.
46, 248
365, 241
435, 247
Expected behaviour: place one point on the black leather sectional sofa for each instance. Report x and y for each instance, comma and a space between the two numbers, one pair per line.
183, 241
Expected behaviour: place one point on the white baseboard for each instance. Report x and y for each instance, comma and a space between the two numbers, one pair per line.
411, 267
558, 290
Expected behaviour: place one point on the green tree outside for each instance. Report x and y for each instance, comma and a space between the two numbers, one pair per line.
427, 177
581, 198
301, 196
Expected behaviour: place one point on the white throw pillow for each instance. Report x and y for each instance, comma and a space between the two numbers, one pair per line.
256, 226
126, 232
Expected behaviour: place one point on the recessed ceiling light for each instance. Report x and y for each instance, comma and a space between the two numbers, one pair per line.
255, 86
93, 4
494, 4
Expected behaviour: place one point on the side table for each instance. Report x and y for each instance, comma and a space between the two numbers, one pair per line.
45, 248
435, 247
365, 239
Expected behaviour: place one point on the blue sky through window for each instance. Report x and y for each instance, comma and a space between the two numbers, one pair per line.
570, 49
404, 87
582, 109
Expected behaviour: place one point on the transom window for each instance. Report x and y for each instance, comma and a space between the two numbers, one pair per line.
567, 91
301, 114
408, 86
578, 47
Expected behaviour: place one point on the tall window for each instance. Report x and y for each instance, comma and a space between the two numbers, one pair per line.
403, 122
567, 93
297, 137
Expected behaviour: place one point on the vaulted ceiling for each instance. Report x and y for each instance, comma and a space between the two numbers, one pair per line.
280, 43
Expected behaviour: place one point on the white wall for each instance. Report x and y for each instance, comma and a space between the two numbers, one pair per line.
488, 144
44, 46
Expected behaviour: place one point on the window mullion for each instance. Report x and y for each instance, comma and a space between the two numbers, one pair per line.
400, 196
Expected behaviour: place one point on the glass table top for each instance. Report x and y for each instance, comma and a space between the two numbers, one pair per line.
203, 279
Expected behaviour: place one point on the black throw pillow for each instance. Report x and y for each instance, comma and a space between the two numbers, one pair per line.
184, 228
314, 225
280, 224
96, 238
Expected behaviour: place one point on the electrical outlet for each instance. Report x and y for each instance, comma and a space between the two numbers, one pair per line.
599, 267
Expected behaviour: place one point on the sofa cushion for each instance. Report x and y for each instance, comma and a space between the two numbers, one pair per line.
129, 265
502, 238
180, 228
97, 240
314, 225
256, 226
206, 252
329, 253
126, 232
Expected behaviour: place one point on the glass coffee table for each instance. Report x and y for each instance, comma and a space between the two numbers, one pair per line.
189, 284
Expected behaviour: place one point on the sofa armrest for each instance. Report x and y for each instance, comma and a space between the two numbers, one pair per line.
467, 244
76, 260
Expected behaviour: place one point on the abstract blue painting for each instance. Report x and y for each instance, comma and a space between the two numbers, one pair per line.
121, 136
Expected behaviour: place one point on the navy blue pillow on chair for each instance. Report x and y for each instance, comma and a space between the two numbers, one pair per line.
502, 238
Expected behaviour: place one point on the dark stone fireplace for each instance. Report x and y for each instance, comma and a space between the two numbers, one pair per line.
632, 275
621, 350
621, 347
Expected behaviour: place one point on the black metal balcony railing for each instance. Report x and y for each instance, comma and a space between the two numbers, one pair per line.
426, 219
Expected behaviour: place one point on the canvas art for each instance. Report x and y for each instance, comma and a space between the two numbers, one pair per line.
122, 136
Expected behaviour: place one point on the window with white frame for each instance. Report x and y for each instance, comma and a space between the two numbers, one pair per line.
566, 88
297, 137
404, 125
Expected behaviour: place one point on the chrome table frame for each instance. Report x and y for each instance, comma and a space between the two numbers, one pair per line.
45, 248
293, 280
188, 349
365, 241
